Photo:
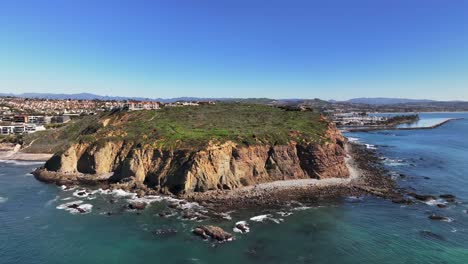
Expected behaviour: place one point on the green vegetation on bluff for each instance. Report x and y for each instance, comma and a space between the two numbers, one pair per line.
195, 126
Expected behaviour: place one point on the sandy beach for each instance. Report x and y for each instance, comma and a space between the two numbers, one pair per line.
12, 152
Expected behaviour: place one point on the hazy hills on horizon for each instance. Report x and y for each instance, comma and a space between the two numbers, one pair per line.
90, 96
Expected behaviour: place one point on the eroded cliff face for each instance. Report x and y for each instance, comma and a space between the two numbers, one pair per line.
218, 166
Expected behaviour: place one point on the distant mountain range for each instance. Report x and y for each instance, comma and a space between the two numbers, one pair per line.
386, 101
89, 96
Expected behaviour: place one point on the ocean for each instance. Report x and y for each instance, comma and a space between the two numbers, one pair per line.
350, 230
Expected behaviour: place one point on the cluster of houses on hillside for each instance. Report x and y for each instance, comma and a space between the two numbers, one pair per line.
357, 119
21, 124
27, 115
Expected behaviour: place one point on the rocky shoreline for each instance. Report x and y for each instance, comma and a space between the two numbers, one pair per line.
371, 179
368, 177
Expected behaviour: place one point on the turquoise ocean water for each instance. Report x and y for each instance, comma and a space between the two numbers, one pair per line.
351, 230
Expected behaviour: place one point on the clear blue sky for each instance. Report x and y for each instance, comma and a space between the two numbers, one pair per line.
241, 48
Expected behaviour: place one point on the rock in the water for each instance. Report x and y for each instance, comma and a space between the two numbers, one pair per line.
442, 205
422, 197
447, 196
242, 226
174, 205
431, 236
137, 205
401, 200
165, 214
73, 206
439, 217
214, 232
200, 232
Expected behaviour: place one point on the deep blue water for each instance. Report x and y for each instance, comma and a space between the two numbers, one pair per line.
367, 230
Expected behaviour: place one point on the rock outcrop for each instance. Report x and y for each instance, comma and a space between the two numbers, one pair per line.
215, 167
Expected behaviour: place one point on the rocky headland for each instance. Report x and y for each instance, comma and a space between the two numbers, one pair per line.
301, 157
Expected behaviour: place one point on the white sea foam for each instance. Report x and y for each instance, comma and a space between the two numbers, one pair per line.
67, 199
50, 202
65, 205
146, 199
301, 208
353, 139
434, 202
67, 188
370, 146
260, 218
269, 217
3, 199
80, 208
394, 162
121, 193
243, 223
86, 207
284, 214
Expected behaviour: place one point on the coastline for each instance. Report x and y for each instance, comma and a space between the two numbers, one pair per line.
367, 177
13, 153
367, 129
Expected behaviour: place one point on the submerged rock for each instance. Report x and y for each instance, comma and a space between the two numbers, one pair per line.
422, 197
447, 196
137, 205
401, 200
430, 235
439, 217
165, 232
213, 232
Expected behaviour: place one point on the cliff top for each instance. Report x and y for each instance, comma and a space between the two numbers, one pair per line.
192, 126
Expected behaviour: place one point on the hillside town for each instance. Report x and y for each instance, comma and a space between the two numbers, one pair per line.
29, 115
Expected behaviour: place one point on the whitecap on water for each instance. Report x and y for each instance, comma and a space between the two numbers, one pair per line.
3, 199
434, 202
353, 139
269, 217
301, 208
394, 162
284, 214
370, 146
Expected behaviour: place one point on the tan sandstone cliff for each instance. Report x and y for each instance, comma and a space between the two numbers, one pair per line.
218, 166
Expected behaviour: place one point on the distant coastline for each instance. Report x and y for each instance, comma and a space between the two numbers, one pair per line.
366, 129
